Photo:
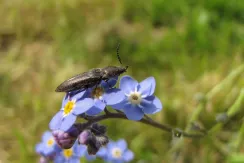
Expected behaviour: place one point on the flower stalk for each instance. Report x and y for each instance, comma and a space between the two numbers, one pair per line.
229, 80
146, 120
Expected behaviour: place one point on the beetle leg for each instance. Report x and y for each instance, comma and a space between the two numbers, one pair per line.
99, 81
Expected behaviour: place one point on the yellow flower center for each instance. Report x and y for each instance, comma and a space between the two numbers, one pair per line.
135, 98
67, 153
68, 107
50, 142
97, 92
116, 153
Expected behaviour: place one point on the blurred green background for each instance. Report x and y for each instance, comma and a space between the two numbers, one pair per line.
189, 46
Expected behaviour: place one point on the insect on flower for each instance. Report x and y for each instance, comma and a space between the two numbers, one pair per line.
92, 77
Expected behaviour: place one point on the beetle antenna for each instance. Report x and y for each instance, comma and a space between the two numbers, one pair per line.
117, 50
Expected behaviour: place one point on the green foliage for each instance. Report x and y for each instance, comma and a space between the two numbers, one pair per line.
188, 46
236, 158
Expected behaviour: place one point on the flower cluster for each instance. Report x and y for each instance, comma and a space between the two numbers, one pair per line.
133, 98
91, 101
70, 140
49, 151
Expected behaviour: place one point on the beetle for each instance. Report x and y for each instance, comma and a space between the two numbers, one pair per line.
91, 78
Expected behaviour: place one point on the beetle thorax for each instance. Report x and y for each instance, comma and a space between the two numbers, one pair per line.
112, 71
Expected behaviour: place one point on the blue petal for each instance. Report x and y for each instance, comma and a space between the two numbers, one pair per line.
88, 92
65, 100
39, 148
67, 122
59, 159
122, 144
147, 86
57, 148
93, 111
128, 84
133, 112
128, 156
56, 121
151, 105
99, 104
97, 108
102, 152
113, 81
111, 145
78, 96
110, 83
48, 151
117, 160
46, 136
74, 160
120, 106
144, 91
81, 106
113, 96
79, 150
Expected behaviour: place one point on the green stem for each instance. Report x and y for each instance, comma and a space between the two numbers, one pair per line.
233, 110
240, 139
236, 107
195, 115
226, 82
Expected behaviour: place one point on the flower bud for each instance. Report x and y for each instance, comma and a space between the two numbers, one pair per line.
63, 139
94, 137
84, 137
222, 118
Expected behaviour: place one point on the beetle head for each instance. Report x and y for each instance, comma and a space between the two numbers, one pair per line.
113, 71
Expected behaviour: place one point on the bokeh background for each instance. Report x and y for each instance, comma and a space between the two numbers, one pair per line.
194, 49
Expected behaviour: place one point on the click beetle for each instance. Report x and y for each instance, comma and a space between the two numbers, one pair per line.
91, 78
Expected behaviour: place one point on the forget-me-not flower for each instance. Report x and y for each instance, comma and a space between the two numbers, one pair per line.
48, 146
104, 94
139, 98
116, 152
72, 106
71, 155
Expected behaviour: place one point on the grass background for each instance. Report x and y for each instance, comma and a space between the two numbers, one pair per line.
189, 46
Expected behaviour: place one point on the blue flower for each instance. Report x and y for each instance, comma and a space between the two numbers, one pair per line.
116, 152
48, 146
71, 155
139, 98
104, 94
72, 106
